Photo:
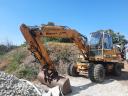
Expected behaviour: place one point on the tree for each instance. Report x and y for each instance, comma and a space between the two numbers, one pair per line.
117, 37
8, 46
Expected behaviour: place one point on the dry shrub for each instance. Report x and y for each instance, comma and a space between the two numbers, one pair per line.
62, 54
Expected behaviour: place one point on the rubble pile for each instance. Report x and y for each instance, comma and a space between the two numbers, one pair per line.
12, 86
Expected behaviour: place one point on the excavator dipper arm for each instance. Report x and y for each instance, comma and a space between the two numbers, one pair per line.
38, 49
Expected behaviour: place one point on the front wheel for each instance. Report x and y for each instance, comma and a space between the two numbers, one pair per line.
96, 73
72, 70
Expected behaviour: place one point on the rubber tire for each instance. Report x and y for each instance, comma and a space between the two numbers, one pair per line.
117, 69
72, 70
95, 74
68, 70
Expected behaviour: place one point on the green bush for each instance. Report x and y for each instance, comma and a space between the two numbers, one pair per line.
27, 72
21, 70
47, 39
15, 62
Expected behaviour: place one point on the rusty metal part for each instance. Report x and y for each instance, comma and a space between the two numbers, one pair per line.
63, 82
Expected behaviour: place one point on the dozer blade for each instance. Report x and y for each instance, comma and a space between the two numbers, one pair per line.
63, 82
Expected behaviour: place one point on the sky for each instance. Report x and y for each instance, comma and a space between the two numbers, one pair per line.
85, 16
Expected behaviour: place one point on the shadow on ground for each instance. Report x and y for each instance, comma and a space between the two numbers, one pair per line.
78, 89
123, 79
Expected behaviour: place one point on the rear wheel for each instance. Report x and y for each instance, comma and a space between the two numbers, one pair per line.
72, 70
96, 73
117, 69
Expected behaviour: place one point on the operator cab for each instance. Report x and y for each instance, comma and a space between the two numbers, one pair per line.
99, 42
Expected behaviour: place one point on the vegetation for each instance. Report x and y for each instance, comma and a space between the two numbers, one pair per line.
117, 37
24, 44
65, 40
18, 67
15, 62
6, 48
62, 54
27, 72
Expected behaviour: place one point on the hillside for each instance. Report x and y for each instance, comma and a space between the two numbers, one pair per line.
21, 63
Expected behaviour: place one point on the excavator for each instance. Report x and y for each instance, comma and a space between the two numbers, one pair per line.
100, 56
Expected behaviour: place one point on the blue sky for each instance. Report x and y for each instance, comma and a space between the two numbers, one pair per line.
83, 15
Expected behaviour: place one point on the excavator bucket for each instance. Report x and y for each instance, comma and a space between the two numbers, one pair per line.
63, 82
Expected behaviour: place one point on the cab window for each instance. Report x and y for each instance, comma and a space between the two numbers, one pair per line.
107, 41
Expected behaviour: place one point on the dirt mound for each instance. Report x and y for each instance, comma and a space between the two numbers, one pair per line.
62, 54
20, 62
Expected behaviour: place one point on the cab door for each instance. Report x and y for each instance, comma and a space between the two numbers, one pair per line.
109, 53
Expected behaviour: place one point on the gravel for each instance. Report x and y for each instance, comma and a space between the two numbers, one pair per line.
12, 86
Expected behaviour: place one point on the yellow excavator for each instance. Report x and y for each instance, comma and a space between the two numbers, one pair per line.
100, 57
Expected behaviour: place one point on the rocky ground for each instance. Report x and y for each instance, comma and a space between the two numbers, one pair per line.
12, 86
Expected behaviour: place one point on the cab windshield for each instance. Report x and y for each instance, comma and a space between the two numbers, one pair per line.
95, 39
